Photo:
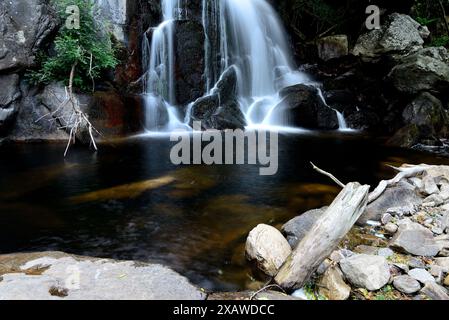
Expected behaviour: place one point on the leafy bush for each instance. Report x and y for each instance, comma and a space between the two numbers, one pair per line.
88, 49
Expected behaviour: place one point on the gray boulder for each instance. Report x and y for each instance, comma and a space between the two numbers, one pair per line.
268, 248
406, 284
400, 34
415, 239
420, 72
402, 194
435, 291
297, 228
24, 26
366, 271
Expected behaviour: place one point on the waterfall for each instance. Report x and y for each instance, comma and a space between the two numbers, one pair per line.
245, 34
342, 125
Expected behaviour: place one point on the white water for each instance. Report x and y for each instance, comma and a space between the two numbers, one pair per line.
249, 36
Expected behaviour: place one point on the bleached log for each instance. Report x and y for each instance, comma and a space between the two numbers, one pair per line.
324, 237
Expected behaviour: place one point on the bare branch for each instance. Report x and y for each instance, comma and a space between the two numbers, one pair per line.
333, 178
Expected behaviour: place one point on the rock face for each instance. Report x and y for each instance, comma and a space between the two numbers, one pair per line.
420, 72
296, 229
406, 284
401, 195
220, 110
332, 285
115, 12
24, 26
366, 271
415, 239
399, 34
189, 48
57, 276
304, 108
268, 248
333, 47
9, 97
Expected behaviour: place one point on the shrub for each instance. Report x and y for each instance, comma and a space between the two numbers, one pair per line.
88, 49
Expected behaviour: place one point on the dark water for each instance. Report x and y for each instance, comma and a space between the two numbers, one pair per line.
194, 219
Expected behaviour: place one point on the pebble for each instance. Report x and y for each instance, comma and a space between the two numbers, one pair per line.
391, 228
385, 252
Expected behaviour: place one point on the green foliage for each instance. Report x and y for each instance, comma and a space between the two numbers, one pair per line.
441, 41
88, 48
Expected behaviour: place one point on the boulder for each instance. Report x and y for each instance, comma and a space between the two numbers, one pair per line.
443, 262
427, 113
302, 106
268, 248
220, 110
421, 275
332, 285
297, 228
25, 25
400, 34
415, 239
332, 47
406, 284
402, 194
420, 73
59, 276
366, 271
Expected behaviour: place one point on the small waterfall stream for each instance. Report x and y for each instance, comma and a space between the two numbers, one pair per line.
245, 34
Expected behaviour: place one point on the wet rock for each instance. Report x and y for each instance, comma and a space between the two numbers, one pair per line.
435, 291
44, 276
415, 239
332, 47
399, 34
402, 194
9, 96
332, 285
305, 108
406, 284
421, 275
268, 248
366, 271
296, 229
220, 110
25, 25
189, 57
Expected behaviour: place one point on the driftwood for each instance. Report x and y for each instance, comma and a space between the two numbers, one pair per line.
325, 236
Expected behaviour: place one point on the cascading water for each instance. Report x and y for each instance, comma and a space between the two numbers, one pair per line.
246, 34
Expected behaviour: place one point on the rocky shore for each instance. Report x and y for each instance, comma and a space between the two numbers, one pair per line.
399, 248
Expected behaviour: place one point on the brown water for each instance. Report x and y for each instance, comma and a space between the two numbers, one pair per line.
129, 202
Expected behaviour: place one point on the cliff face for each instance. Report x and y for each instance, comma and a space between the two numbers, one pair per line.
28, 26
